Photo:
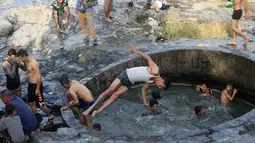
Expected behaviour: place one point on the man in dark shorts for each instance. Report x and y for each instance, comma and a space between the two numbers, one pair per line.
11, 68
35, 86
80, 95
61, 13
237, 14
147, 74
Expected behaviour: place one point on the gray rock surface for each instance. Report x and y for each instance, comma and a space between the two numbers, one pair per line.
5, 28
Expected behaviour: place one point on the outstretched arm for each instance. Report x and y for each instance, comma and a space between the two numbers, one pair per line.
152, 65
73, 102
22, 65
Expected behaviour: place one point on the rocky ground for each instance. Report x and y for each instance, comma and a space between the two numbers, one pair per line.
32, 28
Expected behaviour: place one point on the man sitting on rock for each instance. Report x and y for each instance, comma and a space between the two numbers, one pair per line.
229, 93
28, 119
81, 96
61, 14
148, 74
11, 67
13, 124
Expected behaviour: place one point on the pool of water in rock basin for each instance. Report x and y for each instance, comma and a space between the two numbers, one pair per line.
123, 117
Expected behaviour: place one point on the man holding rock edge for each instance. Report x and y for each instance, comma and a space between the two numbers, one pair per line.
147, 74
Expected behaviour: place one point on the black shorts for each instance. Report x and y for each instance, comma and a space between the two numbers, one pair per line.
32, 96
237, 14
123, 77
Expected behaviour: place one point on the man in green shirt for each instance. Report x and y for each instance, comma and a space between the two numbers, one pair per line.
61, 14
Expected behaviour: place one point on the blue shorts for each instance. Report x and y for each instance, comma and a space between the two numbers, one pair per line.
86, 105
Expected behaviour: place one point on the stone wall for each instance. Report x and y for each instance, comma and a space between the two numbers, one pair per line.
191, 66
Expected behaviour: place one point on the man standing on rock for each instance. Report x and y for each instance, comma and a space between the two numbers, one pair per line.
61, 13
11, 67
35, 86
148, 74
84, 10
237, 14
81, 96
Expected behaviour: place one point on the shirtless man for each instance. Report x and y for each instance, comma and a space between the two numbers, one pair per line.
35, 86
127, 78
11, 67
229, 93
81, 96
237, 14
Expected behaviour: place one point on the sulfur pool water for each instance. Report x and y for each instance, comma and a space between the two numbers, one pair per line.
123, 117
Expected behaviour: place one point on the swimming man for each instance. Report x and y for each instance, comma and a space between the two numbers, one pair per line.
148, 74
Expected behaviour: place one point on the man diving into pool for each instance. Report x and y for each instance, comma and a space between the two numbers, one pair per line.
148, 74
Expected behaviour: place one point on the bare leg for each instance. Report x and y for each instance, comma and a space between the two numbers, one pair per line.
236, 30
107, 10
120, 91
33, 107
76, 112
45, 110
87, 121
115, 84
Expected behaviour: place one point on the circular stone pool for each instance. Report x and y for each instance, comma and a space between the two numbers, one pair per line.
123, 117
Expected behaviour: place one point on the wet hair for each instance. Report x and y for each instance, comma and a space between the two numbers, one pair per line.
155, 95
9, 108
22, 53
197, 109
167, 83
153, 102
64, 80
231, 83
12, 52
97, 126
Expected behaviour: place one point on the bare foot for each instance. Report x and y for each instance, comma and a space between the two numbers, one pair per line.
94, 113
108, 20
232, 43
246, 40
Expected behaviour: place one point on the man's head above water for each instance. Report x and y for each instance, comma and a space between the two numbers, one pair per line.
65, 82
153, 105
230, 86
199, 110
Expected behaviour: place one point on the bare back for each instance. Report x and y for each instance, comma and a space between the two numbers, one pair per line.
33, 70
237, 4
81, 91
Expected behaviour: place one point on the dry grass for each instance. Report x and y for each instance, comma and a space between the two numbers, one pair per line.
197, 30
